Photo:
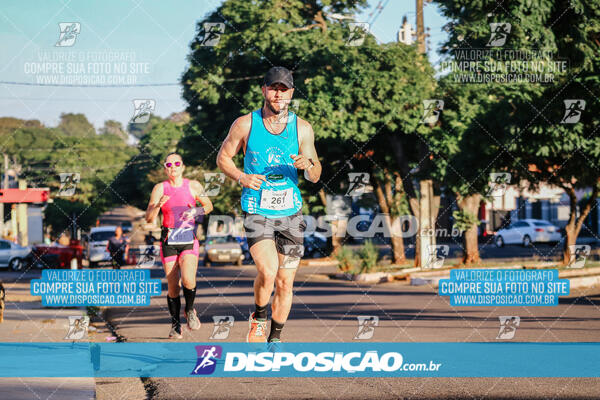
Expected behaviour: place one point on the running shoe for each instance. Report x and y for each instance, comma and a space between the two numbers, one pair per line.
192, 321
256, 333
175, 332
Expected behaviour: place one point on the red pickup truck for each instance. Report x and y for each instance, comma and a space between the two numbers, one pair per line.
57, 256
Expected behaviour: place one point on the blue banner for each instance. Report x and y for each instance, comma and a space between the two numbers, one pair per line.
109, 288
221, 359
503, 287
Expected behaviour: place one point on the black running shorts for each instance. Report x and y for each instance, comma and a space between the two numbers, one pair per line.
287, 232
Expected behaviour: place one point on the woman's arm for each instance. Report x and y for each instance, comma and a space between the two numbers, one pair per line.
157, 200
201, 197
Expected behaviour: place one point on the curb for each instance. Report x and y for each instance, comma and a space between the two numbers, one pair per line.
579, 278
369, 278
135, 388
585, 282
319, 263
374, 277
574, 272
433, 277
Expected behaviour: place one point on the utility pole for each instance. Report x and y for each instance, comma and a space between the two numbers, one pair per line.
426, 220
22, 217
5, 171
420, 28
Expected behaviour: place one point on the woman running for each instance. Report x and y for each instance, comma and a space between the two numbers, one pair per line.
176, 198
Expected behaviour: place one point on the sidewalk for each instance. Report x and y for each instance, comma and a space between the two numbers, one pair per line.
25, 320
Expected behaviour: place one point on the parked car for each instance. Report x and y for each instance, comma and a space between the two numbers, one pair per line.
359, 235
56, 255
316, 245
126, 226
96, 244
13, 256
528, 231
224, 249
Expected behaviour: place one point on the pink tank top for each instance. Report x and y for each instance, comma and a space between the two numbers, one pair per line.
179, 201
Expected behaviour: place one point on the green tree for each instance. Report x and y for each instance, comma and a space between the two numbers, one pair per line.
525, 119
40, 155
358, 99
76, 125
365, 104
138, 130
115, 128
61, 214
468, 147
145, 167
472, 142
568, 154
9, 124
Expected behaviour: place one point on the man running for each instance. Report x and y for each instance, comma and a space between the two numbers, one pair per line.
276, 143
118, 248
176, 198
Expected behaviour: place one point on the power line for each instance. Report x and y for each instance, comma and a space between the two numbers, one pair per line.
378, 10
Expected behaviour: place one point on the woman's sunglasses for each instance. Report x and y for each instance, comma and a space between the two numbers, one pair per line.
169, 165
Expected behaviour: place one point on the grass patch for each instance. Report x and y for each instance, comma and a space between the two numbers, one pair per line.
364, 260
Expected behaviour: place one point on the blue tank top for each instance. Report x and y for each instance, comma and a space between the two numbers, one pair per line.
268, 154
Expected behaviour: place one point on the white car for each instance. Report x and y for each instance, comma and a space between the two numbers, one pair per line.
528, 231
97, 241
13, 255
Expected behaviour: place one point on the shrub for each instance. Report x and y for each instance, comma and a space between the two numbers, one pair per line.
368, 255
362, 261
348, 260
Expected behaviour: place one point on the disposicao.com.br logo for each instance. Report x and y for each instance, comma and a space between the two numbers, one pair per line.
324, 363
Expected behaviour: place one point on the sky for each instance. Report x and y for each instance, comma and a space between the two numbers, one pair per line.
148, 39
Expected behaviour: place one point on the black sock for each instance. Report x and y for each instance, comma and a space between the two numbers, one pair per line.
174, 309
260, 312
190, 295
276, 328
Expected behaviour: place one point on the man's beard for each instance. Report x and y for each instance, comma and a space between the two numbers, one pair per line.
283, 109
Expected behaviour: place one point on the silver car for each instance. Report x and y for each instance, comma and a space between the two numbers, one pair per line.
225, 249
13, 255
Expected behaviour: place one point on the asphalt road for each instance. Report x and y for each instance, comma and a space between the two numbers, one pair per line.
326, 312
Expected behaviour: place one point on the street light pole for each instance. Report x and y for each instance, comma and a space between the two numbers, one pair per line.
420, 28
426, 203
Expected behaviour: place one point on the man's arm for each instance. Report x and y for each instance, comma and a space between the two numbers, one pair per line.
308, 153
234, 141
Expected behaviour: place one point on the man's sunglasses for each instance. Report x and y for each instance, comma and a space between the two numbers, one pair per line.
169, 165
